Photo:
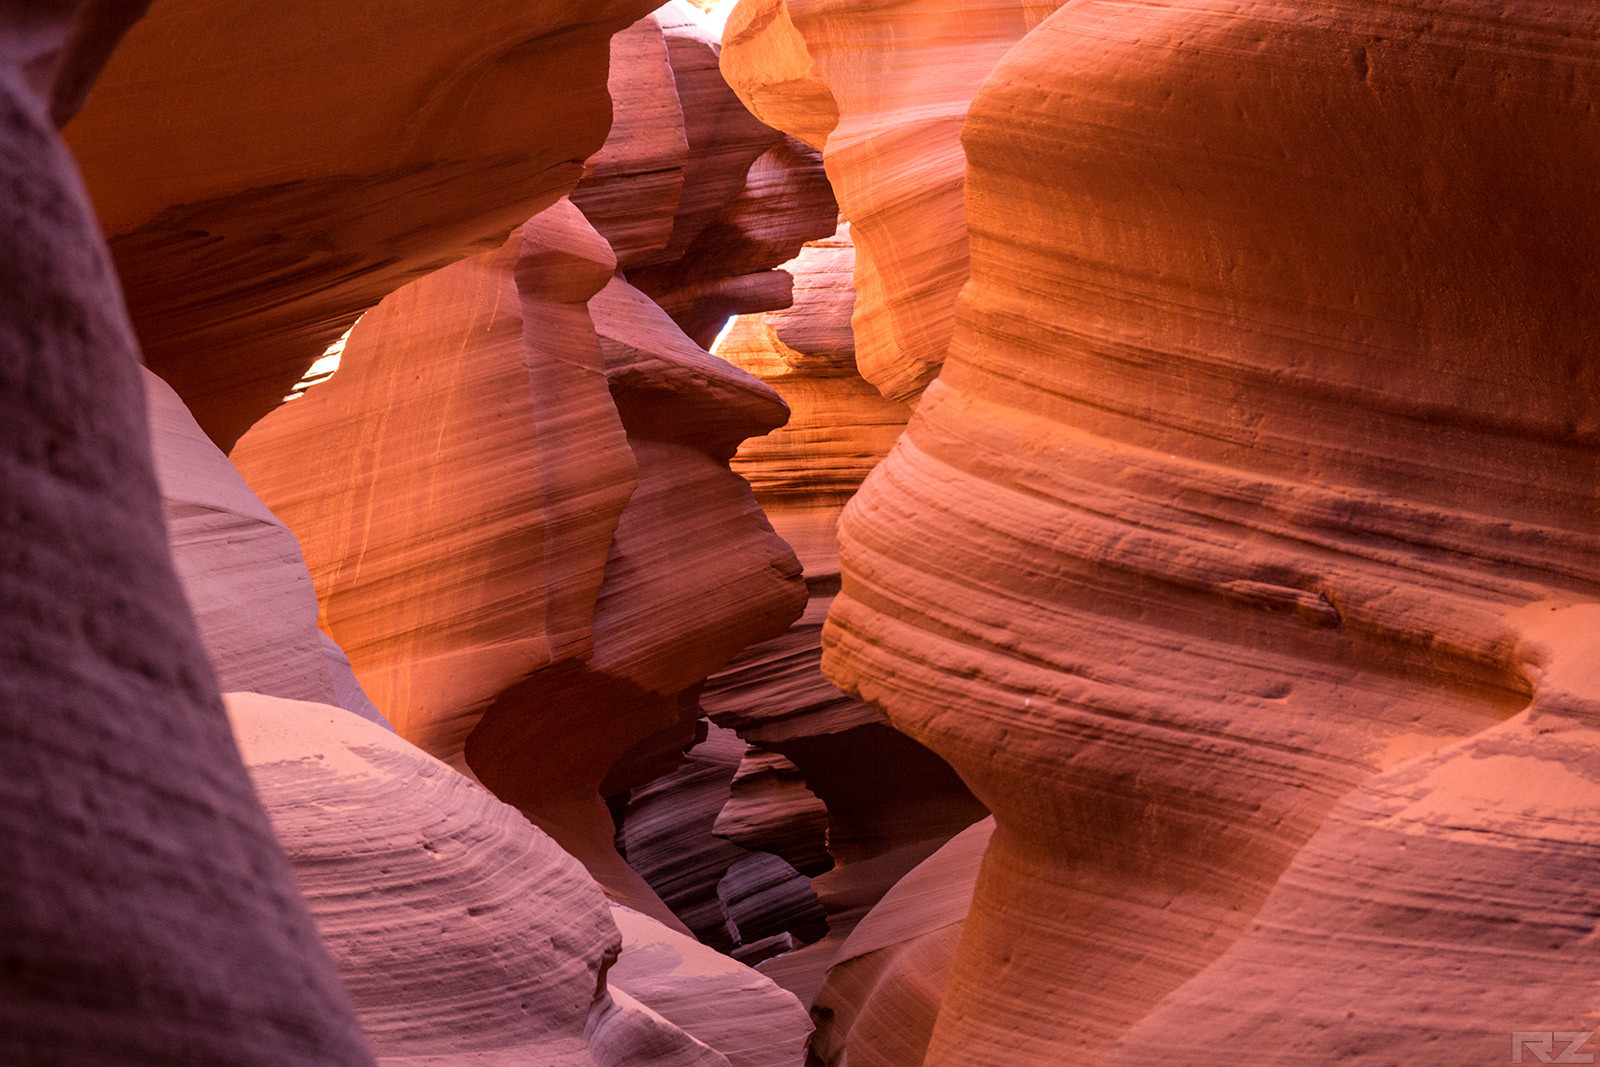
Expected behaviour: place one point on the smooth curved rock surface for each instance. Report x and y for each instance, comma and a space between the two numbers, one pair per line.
1225, 512
466, 935
901, 74
242, 571
265, 176
694, 574
147, 916
770, 66
882, 994
632, 187
1440, 909
457, 484
723, 1003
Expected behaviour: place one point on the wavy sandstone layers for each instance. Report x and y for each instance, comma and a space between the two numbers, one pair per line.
1270, 404
266, 176
728, 897
147, 916
899, 75
465, 935
881, 998
515, 501
456, 485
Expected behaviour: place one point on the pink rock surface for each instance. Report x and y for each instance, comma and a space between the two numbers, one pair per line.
720, 1001
266, 176
1219, 518
466, 935
883, 991
147, 916
242, 571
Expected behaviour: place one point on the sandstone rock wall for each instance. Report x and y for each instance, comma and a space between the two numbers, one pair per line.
242, 572
147, 916
265, 176
883, 87
889, 800
1269, 407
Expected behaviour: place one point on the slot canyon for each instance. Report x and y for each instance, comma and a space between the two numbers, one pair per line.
799, 533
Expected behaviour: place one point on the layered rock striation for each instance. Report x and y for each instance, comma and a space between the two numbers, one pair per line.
242, 572
889, 801
1267, 421
465, 935
265, 177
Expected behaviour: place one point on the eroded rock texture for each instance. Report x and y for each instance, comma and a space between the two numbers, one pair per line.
465, 935
146, 914
515, 501
731, 898
456, 485
242, 571
883, 87
888, 799
266, 176
884, 988
700, 200
1270, 407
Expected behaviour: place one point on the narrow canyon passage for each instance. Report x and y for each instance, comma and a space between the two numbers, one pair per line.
809, 533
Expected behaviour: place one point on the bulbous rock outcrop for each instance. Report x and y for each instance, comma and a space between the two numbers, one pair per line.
523, 529
456, 485
1270, 404
265, 176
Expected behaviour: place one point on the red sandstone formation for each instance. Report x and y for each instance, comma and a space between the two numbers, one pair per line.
456, 485
632, 187
1232, 510
265, 177
895, 77
699, 200
242, 571
889, 800
770, 809
147, 917
467, 936
522, 525
769, 64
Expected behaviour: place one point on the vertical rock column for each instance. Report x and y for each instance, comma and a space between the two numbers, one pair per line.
1271, 398
147, 916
